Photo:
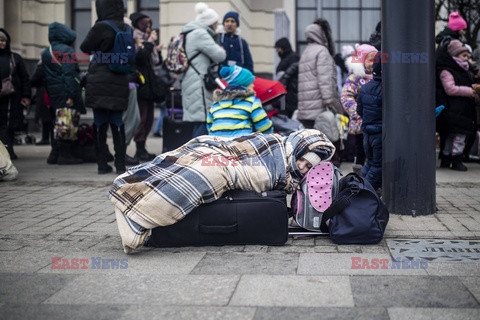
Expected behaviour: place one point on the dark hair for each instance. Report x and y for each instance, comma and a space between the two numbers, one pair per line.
328, 33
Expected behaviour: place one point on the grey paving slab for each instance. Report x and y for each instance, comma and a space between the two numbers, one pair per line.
415, 291
293, 291
473, 285
24, 288
436, 250
433, 314
264, 313
247, 263
25, 261
61, 312
355, 264
151, 262
144, 289
453, 269
188, 313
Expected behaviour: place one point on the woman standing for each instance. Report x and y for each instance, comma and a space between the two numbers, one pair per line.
62, 81
201, 49
15, 92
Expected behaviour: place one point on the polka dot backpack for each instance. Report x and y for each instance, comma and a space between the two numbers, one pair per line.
317, 190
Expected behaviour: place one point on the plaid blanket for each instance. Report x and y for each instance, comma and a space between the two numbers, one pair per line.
163, 191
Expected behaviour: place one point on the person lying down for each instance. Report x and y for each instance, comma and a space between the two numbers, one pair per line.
163, 191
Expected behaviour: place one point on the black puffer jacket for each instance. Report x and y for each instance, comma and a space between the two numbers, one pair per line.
150, 89
105, 89
459, 115
62, 79
10, 105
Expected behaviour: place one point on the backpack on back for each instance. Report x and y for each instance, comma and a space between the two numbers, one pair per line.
177, 60
357, 215
123, 55
317, 190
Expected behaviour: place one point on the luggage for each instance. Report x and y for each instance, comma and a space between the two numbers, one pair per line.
175, 131
357, 215
317, 190
237, 218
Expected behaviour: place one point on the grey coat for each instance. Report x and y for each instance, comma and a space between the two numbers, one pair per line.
196, 99
317, 77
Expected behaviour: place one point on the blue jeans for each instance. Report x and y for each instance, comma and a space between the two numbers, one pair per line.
372, 170
101, 116
199, 129
159, 124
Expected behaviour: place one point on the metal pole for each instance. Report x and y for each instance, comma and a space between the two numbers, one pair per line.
409, 101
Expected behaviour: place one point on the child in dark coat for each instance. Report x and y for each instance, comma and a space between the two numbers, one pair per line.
369, 107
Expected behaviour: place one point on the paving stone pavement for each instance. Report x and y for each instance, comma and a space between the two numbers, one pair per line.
54, 215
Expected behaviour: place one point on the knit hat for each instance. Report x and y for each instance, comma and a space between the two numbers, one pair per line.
231, 14
455, 47
3, 36
456, 22
205, 15
362, 51
312, 157
237, 76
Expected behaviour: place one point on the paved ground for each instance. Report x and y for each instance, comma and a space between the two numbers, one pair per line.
58, 217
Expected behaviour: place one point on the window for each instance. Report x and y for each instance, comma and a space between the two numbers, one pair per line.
81, 20
351, 21
151, 9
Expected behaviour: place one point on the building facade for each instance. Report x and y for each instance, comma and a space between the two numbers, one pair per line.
262, 22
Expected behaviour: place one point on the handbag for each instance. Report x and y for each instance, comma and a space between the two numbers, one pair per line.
7, 83
66, 124
209, 79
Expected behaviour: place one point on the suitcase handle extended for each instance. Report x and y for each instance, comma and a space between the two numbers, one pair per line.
218, 229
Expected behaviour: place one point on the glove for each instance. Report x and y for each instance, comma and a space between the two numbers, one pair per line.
438, 110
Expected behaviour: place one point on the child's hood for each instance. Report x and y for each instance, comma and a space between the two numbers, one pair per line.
231, 93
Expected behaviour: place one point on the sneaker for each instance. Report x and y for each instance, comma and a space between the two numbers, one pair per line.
157, 134
133, 235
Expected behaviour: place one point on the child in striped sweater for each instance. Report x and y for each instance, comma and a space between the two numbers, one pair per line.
236, 110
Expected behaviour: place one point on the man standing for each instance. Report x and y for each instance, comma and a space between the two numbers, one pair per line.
235, 46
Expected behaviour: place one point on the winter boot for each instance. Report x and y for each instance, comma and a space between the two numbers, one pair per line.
100, 138
118, 134
9, 144
142, 153
65, 153
131, 161
53, 156
446, 161
457, 163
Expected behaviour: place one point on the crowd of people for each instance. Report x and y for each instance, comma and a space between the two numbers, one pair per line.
321, 87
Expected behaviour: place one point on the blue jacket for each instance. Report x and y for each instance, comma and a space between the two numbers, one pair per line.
235, 46
369, 106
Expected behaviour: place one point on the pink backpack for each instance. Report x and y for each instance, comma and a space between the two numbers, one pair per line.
317, 190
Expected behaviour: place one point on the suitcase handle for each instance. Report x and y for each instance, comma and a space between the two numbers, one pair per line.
218, 229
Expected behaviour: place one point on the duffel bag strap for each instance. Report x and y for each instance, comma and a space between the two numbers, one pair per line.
337, 207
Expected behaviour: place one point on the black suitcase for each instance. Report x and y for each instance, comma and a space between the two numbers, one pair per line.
237, 218
175, 132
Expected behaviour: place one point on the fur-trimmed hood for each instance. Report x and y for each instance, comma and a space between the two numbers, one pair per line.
231, 93
356, 68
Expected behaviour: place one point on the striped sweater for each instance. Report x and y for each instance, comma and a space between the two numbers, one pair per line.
237, 112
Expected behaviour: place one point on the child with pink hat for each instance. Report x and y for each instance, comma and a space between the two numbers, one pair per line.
360, 65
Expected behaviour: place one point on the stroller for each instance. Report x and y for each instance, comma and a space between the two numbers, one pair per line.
272, 94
